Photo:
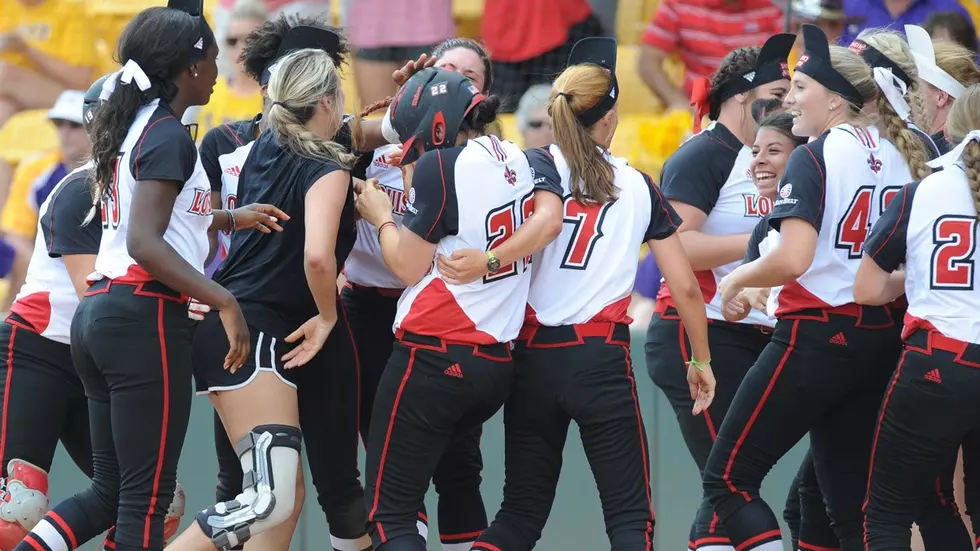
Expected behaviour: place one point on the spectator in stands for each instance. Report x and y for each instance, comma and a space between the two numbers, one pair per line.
533, 119
827, 14
701, 32
236, 96
892, 13
530, 41
386, 34
273, 8
953, 26
35, 178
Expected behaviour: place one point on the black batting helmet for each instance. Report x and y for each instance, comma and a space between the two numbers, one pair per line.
92, 100
432, 96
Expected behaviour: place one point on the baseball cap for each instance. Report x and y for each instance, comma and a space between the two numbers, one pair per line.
68, 107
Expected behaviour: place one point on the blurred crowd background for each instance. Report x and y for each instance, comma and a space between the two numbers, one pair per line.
51, 50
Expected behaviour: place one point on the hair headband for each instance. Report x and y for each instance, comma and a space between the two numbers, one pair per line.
815, 63
925, 62
300, 38
874, 58
601, 51
205, 38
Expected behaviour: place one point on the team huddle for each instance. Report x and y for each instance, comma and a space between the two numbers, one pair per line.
817, 242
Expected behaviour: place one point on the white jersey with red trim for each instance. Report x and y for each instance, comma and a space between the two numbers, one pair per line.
48, 300
365, 265
587, 273
840, 183
158, 147
931, 226
472, 196
711, 173
223, 152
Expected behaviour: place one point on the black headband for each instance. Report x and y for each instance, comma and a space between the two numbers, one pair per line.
874, 58
769, 67
815, 63
300, 38
601, 51
205, 38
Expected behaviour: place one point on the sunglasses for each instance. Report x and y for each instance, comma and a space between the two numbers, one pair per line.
61, 123
232, 41
537, 124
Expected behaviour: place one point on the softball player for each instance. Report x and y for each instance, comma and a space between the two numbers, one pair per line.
130, 336
450, 369
823, 371
572, 355
930, 227
709, 184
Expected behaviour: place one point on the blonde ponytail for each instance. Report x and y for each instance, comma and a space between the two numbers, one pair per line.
576, 90
971, 161
908, 144
299, 81
964, 117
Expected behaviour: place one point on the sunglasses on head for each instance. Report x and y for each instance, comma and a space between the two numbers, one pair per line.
536, 124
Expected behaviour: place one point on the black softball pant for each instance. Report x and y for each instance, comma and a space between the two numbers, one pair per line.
822, 373
929, 410
580, 373
43, 400
734, 348
131, 346
429, 408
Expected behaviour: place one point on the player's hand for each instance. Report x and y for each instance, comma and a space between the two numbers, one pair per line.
757, 297
736, 309
728, 288
402, 75
701, 381
464, 266
373, 204
197, 310
239, 341
313, 334
260, 217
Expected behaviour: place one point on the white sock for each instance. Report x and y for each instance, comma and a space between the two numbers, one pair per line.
342, 544
716, 548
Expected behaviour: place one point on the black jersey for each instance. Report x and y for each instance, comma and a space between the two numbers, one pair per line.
928, 143
265, 272
939, 138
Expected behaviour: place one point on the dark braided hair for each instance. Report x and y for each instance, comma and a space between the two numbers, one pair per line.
262, 44
737, 62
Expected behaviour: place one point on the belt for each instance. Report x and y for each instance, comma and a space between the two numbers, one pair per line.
383, 291
670, 313
560, 336
498, 352
925, 342
868, 317
153, 289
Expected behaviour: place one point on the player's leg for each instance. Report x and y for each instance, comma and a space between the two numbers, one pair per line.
815, 531
921, 423
940, 523
229, 468
457, 478
971, 480
535, 430
791, 512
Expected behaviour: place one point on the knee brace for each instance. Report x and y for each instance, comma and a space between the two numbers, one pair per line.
23, 501
270, 462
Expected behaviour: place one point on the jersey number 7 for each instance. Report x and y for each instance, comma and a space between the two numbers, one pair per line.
952, 263
587, 224
500, 224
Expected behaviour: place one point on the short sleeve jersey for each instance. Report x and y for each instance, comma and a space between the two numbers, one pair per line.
266, 272
47, 301
494, 195
711, 173
839, 183
365, 265
157, 147
931, 226
587, 273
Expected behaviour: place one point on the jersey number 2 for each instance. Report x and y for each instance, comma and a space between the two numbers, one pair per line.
587, 222
852, 230
110, 201
501, 224
952, 262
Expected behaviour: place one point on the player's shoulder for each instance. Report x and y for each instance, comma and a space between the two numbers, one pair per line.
446, 158
228, 137
714, 148
163, 126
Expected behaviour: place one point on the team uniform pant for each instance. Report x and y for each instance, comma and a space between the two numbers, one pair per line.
131, 345
823, 372
43, 400
580, 373
734, 348
429, 408
930, 408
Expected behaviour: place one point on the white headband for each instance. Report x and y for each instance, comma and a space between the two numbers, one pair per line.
387, 130
894, 89
925, 62
954, 156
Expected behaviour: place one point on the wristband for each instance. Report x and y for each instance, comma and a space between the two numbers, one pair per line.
697, 365
232, 226
382, 227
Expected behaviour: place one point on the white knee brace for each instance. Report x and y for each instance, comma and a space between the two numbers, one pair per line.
270, 461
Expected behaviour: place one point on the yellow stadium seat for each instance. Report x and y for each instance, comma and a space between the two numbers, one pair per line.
25, 134
509, 130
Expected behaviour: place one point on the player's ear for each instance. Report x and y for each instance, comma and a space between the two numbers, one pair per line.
439, 132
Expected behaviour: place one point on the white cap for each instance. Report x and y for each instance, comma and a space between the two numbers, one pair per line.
69, 107
925, 62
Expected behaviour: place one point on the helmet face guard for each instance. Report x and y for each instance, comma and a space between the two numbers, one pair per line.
430, 109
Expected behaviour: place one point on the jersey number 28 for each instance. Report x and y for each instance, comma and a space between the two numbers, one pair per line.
955, 238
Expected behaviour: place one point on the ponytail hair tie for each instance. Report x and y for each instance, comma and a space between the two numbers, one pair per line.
700, 93
566, 96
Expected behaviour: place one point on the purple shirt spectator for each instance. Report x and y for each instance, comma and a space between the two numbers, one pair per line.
874, 13
648, 278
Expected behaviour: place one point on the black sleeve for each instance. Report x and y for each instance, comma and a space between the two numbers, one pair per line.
61, 224
345, 136
886, 243
432, 212
360, 167
759, 233
695, 174
164, 152
664, 220
316, 170
543, 170
802, 187
209, 157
